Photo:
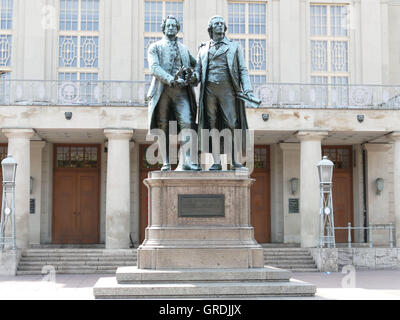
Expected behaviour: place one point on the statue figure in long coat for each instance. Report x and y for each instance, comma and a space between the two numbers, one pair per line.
171, 96
225, 86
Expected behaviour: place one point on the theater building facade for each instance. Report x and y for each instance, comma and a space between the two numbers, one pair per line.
73, 113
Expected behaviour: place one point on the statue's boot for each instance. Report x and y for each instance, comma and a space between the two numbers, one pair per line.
236, 165
166, 164
216, 167
185, 161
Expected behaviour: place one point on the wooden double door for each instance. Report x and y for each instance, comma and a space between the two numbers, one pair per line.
260, 194
342, 187
76, 194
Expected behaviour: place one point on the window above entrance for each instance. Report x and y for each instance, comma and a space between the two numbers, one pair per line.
76, 156
3, 152
341, 156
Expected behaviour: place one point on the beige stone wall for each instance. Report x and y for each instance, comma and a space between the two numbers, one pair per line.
36, 190
358, 192
277, 204
47, 192
291, 169
380, 207
135, 184
394, 41
374, 45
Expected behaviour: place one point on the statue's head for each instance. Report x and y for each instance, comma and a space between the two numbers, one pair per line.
216, 23
170, 25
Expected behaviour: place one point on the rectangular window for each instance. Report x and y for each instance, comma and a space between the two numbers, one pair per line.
6, 20
68, 51
153, 16
247, 24
5, 50
76, 156
69, 14
237, 18
6, 14
78, 50
67, 76
90, 15
89, 52
329, 42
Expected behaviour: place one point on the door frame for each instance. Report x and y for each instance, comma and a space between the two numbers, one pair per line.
350, 171
268, 187
98, 170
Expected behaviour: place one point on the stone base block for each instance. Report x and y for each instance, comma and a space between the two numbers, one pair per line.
133, 283
179, 257
9, 262
136, 275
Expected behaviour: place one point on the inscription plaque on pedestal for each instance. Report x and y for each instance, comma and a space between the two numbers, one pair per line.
201, 205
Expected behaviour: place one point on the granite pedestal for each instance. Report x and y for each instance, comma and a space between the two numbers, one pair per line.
200, 243
188, 229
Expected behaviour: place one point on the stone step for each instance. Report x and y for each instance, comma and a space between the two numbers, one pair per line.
76, 263
36, 272
76, 258
286, 250
132, 274
278, 253
80, 250
293, 266
109, 288
77, 254
304, 269
63, 268
289, 263
308, 257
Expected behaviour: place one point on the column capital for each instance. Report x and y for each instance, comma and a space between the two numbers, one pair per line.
311, 135
18, 133
118, 133
377, 147
394, 136
289, 146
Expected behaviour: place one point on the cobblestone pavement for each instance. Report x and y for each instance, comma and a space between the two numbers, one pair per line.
370, 285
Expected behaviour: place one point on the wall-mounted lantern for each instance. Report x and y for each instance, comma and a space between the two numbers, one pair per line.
380, 183
294, 185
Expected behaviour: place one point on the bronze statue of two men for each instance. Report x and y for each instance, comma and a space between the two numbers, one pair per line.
225, 85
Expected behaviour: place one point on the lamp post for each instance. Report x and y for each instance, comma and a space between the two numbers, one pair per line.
9, 169
326, 221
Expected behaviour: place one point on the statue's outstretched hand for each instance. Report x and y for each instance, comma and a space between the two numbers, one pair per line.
193, 80
178, 83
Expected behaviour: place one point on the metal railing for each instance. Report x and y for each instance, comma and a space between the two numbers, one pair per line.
370, 228
87, 93
133, 93
328, 96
